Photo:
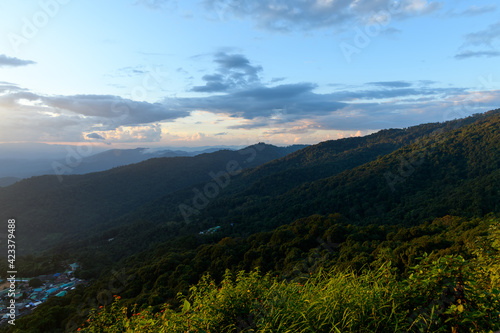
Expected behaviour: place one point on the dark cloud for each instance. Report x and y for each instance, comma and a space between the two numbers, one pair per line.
233, 71
73, 118
263, 104
388, 104
482, 43
6, 61
261, 101
130, 71
281, 92
476, 54
277, 79
213, 83
392, 84
290, 15
113, 110
349, 96
94, 136
409, 112
484, 37
6, 87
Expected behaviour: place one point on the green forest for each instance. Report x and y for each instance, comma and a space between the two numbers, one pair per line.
398, 231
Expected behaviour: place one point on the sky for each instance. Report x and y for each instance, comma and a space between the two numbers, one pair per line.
154, 73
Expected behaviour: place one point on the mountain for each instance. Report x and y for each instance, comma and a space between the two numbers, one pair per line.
27, 160
453, 169
252, 196
6, 181
24, 160
151, 230
118, 157
382, 178
50, 208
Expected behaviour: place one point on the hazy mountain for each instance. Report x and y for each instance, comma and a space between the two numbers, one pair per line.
118, 157
51, 207
6, 181
25, 160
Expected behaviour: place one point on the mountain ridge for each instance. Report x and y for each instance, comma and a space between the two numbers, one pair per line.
81, 199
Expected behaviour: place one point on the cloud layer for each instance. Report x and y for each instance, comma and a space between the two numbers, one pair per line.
235, 94
34, 117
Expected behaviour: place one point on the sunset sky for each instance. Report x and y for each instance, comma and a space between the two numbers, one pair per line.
156, 73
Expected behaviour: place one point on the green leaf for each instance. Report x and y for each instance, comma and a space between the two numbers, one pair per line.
186, 306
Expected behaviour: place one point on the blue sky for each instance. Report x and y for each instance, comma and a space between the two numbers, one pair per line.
235, 72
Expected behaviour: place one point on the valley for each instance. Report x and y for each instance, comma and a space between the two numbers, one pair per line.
146, 233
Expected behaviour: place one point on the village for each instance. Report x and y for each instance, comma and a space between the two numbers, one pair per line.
31, 292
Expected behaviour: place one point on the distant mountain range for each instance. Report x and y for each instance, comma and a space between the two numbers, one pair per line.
24, 161
52, 207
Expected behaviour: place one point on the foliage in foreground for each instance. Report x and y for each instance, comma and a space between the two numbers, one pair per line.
449, 294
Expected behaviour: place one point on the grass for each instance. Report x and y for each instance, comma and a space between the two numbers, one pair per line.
445, 295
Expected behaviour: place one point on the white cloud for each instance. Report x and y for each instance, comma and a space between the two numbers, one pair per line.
123, 134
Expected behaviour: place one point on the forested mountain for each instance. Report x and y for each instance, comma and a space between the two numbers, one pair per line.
455, 172
404, 211
393, 176
119, 157
28, 160
49, 208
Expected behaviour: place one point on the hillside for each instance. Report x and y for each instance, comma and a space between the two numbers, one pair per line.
455, 172
50, 208
369, 180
